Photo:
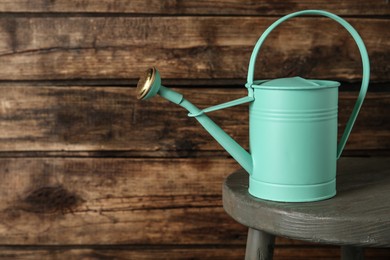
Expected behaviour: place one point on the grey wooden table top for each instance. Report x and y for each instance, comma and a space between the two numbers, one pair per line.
358, 215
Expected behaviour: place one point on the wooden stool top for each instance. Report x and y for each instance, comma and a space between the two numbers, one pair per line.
358, 215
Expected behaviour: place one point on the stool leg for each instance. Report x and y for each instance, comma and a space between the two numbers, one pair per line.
352, 253
259, 245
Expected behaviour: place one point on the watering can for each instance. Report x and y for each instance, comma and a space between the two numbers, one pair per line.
292, 126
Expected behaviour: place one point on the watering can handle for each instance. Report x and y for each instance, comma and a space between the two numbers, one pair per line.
363, 53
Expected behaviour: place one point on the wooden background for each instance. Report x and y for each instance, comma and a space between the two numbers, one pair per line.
88, 172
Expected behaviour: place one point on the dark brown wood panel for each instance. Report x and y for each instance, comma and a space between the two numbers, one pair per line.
64, 201
60, 48
208, 253
212, 7
141, 204
89, 172
115, 201
179, 253
75, 118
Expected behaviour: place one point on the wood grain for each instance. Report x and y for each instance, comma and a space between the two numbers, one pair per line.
44, 118
64, 201
143, 253
178, 253
63, 48
88, 172
210, 7
105, 201
358, 215
124, 208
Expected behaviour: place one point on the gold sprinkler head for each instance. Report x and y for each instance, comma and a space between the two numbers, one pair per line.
148, 84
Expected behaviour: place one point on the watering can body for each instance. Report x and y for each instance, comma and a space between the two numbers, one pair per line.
293, 139
292, 126
293, 129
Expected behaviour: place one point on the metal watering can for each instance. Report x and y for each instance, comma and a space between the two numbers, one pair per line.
293, 127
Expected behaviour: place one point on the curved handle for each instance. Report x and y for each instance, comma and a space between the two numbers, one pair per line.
363, 53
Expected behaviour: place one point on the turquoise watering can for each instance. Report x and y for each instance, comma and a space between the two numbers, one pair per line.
292, 127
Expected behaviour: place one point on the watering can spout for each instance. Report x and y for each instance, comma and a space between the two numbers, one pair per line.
150, 84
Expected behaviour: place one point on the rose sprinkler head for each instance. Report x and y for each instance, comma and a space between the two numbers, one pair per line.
149, 84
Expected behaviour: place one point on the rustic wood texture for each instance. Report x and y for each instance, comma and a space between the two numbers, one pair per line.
88, 172
358, 215
57, 48
210, 7
55, 201
177, 253
44, 118
104, 203
259, 245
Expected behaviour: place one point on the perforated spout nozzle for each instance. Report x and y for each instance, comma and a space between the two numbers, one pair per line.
149, 84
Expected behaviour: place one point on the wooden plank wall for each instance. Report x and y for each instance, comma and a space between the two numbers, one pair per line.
88, 172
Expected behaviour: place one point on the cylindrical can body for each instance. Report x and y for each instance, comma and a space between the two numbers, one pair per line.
293, 142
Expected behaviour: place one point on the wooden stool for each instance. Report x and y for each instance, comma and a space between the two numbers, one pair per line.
358, 216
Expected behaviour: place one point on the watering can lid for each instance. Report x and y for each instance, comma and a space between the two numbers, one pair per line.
295, 83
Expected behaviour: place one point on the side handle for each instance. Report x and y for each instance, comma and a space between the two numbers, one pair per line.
363, 53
